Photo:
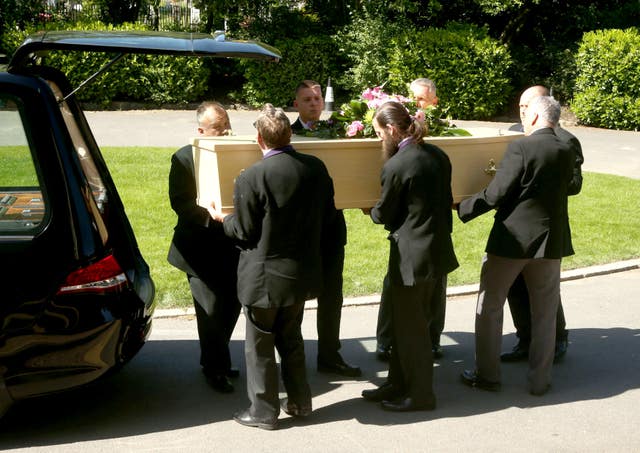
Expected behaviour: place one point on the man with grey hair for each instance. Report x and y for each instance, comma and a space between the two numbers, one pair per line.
530, 235
518, 297
424, 92
283, 210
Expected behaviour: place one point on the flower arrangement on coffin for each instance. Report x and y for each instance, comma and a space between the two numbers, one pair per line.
355, 118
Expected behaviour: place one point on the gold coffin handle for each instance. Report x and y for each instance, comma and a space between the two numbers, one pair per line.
491, 169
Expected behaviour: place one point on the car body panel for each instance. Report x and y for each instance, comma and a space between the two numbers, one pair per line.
54, 333
145, 42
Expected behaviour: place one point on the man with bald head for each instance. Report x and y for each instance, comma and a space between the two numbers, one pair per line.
518, 297
196, 239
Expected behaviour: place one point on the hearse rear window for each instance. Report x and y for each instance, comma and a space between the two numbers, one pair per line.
22, 207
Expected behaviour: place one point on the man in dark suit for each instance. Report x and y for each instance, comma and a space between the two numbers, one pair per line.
283, 208
425, 95
201, 250
518, 297
530, 235
310, 104
415, 207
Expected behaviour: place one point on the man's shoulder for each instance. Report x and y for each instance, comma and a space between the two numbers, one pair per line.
183, 155
185, 151
566, 136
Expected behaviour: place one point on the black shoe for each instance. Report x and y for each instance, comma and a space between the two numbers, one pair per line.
406, 405
220, 383
472, 379
437, 351
519, 353
541, 391
295, 410
245, 418
383, 353
339, 367
385, 392
233, 373
561, 350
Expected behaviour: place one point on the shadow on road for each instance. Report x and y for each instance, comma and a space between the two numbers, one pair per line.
162, 389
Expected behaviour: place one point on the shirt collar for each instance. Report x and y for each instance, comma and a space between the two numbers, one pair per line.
276, 151
405, 141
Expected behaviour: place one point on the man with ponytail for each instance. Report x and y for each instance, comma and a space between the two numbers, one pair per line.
415, 207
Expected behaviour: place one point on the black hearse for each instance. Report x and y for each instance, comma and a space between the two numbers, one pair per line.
77, 297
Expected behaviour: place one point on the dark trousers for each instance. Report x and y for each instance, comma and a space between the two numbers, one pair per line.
330, 308
520, 309
411, 362
438, 309
217, 312
279, 328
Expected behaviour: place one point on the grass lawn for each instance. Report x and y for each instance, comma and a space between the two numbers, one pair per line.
604, 222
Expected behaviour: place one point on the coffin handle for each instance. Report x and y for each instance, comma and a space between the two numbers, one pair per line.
491, 169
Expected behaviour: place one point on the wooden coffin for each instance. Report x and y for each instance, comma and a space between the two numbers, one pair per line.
354, 164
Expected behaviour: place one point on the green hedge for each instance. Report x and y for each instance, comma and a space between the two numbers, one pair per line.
312, 57
149, 79
470, 68
366, 43
607, 88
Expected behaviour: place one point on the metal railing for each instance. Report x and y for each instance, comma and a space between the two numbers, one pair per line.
164, 17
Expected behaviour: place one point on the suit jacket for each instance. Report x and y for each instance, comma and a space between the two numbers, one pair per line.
576, 182
283, 211
338, 239
415, 206
297, 126
530, 191
199, 246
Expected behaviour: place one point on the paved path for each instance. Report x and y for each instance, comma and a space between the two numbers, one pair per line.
160, 402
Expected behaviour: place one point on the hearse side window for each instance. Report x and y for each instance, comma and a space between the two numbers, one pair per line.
22, 207
92, 174
96, 185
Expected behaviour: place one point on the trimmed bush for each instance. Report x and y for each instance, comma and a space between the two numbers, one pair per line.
367, 45
470, 68
312, 57
607, 88
136, 78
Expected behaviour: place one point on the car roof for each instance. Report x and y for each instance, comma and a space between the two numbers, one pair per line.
145, 42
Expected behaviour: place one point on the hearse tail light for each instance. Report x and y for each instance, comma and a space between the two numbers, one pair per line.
104, 276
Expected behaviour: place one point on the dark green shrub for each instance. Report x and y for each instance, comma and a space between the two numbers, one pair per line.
607, 88
367, 45
153, 80
12, 38
470, 68
313, 57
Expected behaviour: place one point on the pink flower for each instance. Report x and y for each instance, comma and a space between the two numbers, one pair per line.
354, 128
420, 116
367, 94
375, 103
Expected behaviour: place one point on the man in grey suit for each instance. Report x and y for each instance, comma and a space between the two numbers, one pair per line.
283, 209
518, 297
530, 235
